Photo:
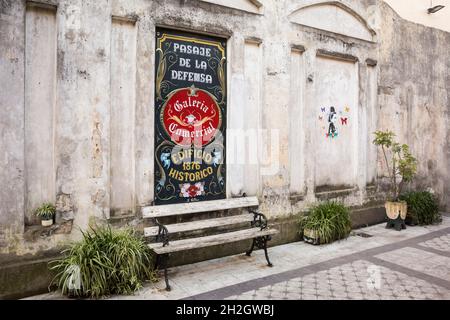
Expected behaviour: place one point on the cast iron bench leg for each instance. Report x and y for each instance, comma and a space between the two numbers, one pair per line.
249, 252
265, 239
164, 262
261, 243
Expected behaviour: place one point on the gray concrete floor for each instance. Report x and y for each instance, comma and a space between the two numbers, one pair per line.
411, 264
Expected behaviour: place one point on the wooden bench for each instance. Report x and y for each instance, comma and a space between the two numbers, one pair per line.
256, 228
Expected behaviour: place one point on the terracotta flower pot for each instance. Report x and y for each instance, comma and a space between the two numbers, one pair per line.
47, 223
311, 236
396, 214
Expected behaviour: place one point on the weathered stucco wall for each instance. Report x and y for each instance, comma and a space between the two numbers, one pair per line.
12, 97
283, 71
414, 96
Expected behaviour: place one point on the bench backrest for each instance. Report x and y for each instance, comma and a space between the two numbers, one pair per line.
195, 207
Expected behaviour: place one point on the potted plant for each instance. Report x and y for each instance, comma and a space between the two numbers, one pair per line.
401, 169
105, 261
325, 223
423, 208
46, 212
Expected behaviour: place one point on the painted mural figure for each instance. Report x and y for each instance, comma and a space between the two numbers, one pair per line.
332, 119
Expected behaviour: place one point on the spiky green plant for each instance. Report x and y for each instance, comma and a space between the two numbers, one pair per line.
46, 211
330, 220
109, 262
423, 208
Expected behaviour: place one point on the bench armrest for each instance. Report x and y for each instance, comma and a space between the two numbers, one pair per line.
163, 233
259, 220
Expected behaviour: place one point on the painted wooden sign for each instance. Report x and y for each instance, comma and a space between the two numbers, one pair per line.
190, 117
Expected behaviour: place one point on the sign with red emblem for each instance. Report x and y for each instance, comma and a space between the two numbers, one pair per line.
190, 117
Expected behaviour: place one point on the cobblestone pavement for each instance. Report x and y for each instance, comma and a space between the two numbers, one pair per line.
440, 244
358, 280
387, 265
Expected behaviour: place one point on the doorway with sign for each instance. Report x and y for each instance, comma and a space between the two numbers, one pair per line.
190, 117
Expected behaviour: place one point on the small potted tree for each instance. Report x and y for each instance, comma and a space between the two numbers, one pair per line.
401, 169
46, 212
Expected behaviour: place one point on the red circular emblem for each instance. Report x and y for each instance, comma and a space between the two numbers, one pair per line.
191, 116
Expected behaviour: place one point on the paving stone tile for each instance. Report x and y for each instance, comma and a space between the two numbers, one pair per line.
439, 243
429, 263
392, 285
309, 297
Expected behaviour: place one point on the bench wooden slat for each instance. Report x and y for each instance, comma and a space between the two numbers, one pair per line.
200, 224
193, 243
195, 207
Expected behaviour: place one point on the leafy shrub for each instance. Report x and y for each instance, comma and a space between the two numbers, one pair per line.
423, 208
104, 262
330, 221
46, 211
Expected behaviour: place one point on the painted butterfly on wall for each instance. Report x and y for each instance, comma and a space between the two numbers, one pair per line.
344, 121
323, 109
